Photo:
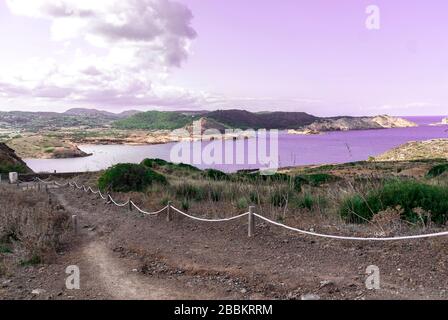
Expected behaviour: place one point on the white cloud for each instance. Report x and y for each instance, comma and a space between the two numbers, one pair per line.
111, 52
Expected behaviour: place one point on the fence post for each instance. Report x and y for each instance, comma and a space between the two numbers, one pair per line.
130, 205
168, 212
251, 222
75, 224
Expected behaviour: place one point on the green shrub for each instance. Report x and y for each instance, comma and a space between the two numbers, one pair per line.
437, 170
409, 195
216, 175
5, 249
316, 179
153, 163
185, 204
242, 203
306, 201
125, 177
158, 163
6, 168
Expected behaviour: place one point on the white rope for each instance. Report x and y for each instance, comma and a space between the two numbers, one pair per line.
439, 234
118, 204
148, 213
209, 220
421, 236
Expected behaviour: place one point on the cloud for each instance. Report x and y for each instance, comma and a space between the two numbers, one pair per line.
111, 51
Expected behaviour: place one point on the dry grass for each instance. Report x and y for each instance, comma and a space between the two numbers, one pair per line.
31, 227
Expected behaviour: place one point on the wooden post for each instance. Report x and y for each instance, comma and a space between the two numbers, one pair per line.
130, 205
251, 222
75, 224
168, 212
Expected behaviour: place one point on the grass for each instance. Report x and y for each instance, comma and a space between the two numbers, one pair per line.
31, 224
409, 195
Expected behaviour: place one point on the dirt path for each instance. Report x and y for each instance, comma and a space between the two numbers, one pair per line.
113, 275
123, 255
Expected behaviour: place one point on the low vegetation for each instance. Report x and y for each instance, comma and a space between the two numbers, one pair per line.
411, 196
6, 168
126, 177
31, 229
154, 120
437, 170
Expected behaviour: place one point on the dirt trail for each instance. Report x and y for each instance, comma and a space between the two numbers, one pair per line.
122, 255
116, 279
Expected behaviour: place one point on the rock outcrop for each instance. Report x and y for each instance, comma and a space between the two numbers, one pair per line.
10, 161
417, 150
355, 123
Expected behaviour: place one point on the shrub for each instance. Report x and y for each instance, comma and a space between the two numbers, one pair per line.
214, 174
153, 163
6, 168
157, 163
125, 177
317, 179
242, 203
409, 195
437, 170
306, 201
185, 204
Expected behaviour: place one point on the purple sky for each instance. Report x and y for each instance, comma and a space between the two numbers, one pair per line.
314, 56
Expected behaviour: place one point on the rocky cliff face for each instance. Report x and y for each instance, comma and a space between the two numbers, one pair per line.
9, 161
357, 123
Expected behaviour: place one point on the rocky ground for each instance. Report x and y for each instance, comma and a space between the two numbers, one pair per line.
122, 255
417, 150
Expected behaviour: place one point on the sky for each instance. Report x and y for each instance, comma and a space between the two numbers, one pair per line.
314, 56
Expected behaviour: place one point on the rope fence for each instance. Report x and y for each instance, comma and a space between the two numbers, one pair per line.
250, 214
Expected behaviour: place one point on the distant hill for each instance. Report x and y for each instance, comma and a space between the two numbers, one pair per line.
82, 112
155, 120
170, 120
267, 120
77, 117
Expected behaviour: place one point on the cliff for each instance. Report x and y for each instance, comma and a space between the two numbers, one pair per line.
9, 161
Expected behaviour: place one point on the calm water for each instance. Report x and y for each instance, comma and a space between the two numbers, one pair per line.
333, 147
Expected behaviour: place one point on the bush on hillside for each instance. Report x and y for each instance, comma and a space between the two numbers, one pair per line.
6, 168
160, 163
216, 175
409, 195
437, 170
125, 177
